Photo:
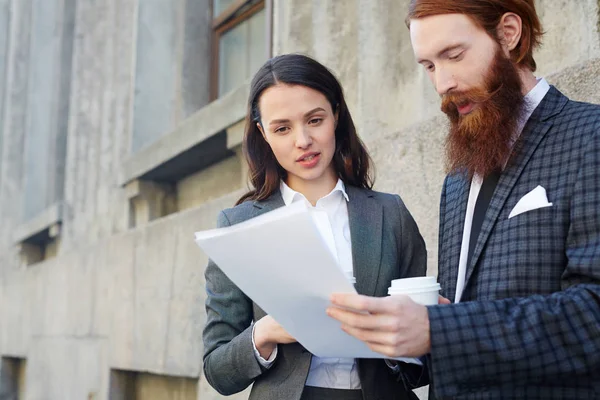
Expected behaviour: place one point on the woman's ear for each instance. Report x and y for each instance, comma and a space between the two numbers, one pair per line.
336, 115
260, 128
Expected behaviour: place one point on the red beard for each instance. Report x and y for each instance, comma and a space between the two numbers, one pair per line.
480, 142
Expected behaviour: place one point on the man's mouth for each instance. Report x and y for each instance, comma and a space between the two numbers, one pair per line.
465, 108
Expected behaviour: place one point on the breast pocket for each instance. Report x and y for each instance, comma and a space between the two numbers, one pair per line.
528, 251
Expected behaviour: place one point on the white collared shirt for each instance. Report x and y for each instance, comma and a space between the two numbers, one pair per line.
532, 99
331, 217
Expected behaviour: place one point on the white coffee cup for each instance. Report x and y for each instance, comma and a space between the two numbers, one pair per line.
423, 290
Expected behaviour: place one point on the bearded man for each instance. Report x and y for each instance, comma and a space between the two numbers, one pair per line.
519, 237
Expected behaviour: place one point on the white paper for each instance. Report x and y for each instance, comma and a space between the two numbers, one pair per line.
531, 201
282, 263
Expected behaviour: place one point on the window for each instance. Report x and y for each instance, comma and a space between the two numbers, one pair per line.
12, 378
172, 74
51, 49
133, 385
48, 95
242, 42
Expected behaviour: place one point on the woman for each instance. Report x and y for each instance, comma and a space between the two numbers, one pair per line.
301, 145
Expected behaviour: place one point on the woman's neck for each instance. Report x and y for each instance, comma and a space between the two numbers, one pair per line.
315, 189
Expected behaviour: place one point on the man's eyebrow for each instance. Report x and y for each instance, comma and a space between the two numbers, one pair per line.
442, 53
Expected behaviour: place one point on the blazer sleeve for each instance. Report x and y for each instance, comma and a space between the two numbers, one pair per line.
541, 338
412, 252
230, 365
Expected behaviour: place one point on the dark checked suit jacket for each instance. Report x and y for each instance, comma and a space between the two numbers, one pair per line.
528, 325
386, 245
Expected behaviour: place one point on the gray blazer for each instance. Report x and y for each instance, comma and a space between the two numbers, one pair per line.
386, 245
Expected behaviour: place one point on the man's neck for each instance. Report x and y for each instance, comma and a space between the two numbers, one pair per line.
528, 80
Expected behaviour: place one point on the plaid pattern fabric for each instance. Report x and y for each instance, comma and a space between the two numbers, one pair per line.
534, 330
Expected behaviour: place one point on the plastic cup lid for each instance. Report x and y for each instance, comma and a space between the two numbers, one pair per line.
414, 283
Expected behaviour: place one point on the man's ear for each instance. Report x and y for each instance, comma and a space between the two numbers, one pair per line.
509, 31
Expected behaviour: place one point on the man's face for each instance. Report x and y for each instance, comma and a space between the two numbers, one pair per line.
455, 52
480, 89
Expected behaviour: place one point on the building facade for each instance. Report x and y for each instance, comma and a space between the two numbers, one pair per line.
121, 124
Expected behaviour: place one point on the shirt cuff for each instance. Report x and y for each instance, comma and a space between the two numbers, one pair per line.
264, 363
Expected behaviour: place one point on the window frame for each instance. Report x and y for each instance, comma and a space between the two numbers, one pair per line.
234, 15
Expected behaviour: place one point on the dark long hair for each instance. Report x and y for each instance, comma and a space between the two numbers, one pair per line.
351, 160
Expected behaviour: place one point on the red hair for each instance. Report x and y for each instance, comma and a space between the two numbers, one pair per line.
487, 14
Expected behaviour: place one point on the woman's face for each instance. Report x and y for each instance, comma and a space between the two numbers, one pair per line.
299, 125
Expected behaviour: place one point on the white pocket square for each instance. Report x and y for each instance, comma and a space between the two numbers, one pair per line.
531, 201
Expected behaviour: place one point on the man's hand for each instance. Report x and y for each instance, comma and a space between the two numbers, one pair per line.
394, 326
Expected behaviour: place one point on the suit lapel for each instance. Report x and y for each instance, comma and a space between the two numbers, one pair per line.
534, 131
270, 204
365, 216
457, 195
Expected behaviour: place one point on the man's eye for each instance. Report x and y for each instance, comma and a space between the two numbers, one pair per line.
456, 57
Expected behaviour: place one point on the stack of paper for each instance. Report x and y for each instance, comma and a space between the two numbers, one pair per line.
282, 263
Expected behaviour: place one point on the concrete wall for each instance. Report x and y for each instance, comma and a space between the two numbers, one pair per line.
116, 298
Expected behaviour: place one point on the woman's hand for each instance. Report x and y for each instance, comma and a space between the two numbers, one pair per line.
267, 334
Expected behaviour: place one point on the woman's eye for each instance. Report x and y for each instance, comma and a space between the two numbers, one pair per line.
282, 129
315, 121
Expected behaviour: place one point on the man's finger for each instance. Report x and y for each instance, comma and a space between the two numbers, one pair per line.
372, 337
380, 322
375, 305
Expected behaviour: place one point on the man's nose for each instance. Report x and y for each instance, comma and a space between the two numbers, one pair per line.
444, 81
